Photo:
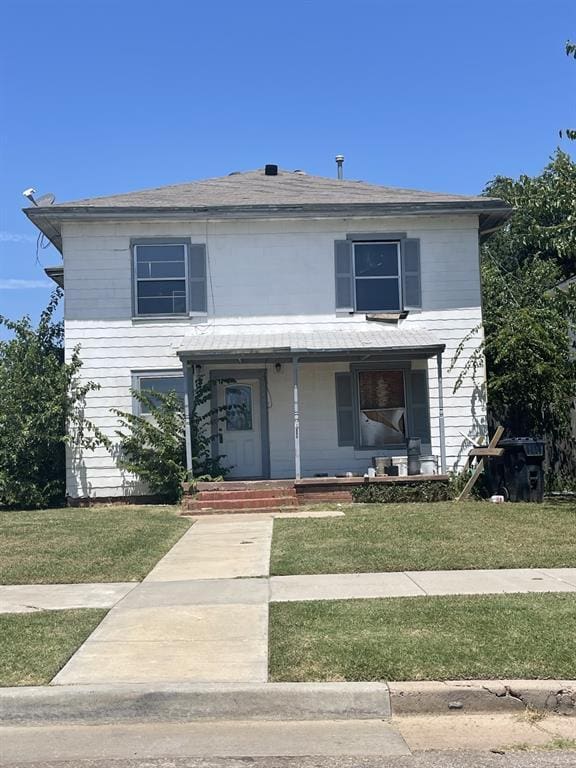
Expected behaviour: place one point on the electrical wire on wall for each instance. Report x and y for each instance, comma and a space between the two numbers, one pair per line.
42, 243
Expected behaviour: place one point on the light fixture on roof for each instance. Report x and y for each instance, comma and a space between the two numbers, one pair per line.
45, 200
340, 163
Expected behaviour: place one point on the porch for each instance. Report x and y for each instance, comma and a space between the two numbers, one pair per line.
233, 496
317, 403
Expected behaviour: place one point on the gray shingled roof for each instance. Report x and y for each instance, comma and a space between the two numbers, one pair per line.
253, 194
255, 188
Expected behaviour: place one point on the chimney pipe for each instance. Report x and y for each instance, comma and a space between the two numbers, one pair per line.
340, 163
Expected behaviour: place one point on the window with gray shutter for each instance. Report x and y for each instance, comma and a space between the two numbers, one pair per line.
380, 274
419, 412
344, 409
411, 281
343, 271
198, 300
160, 278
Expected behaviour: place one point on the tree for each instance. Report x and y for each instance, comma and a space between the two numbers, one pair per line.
528, 322
42, 410
544, 221
570, 51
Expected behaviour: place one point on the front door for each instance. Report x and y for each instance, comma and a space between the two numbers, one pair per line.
240, 434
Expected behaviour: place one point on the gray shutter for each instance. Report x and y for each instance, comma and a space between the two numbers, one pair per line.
419, 406
344, 409
344, 276
198, 301
411, 282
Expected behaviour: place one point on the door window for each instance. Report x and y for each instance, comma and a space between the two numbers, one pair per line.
238, 408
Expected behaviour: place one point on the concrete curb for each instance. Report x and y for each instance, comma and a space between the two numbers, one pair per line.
89, 704
439, 698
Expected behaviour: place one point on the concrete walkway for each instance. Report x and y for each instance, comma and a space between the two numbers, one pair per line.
28, 598
190, 620
201, 615
412, 583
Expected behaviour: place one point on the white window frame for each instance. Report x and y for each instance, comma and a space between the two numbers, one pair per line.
137, 280
398, 278
137, 377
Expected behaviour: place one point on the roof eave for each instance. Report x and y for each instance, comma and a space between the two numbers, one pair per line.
492, 213
286, 352
47, 226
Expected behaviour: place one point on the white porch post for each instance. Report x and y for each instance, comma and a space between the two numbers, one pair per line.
188, 400
295, 371
441, 414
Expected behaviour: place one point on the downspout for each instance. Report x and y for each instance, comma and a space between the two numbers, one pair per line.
441, 426
295, 382
188, 400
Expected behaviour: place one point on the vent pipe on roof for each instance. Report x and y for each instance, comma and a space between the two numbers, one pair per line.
270, 170
340, 163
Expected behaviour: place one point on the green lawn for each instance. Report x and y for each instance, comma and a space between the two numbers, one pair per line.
424, 638
36, 645
61, 546
439, 536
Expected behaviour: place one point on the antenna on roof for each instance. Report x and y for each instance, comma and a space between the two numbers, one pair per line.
46, 199
340, 163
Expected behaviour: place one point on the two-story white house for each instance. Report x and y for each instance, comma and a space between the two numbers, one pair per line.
336, 307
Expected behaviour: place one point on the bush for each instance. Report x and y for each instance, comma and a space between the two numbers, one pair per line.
153, 446
400, 493
41, 410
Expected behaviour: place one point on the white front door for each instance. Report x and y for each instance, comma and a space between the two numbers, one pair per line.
240, 434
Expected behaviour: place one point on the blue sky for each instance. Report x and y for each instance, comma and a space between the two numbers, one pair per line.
98, 97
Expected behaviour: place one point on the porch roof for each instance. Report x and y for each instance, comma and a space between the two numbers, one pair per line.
290, 341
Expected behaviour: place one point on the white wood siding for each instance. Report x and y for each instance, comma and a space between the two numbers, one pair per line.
265, 272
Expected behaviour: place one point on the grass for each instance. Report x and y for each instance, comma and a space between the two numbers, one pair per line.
440, 536
424, 638
36, 645
98, 544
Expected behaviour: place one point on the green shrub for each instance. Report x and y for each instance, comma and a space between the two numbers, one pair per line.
400, 493
153, 446
42, 401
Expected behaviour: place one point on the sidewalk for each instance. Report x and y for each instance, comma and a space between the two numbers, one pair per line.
201, 615
178, 627
27, 598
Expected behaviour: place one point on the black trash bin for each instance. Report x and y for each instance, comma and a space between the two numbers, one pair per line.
518, 474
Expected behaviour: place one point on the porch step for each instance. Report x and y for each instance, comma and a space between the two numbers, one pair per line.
188, 511
238, 505
245, 494
244, 485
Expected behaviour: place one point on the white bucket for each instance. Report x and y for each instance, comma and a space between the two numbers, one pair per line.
429, 465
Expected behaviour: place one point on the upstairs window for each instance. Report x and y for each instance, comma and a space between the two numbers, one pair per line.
377, 277
377, 273
161, 273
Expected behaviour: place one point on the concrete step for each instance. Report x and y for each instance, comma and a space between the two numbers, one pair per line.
187, 511
244, 494
244, 485
234, 505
